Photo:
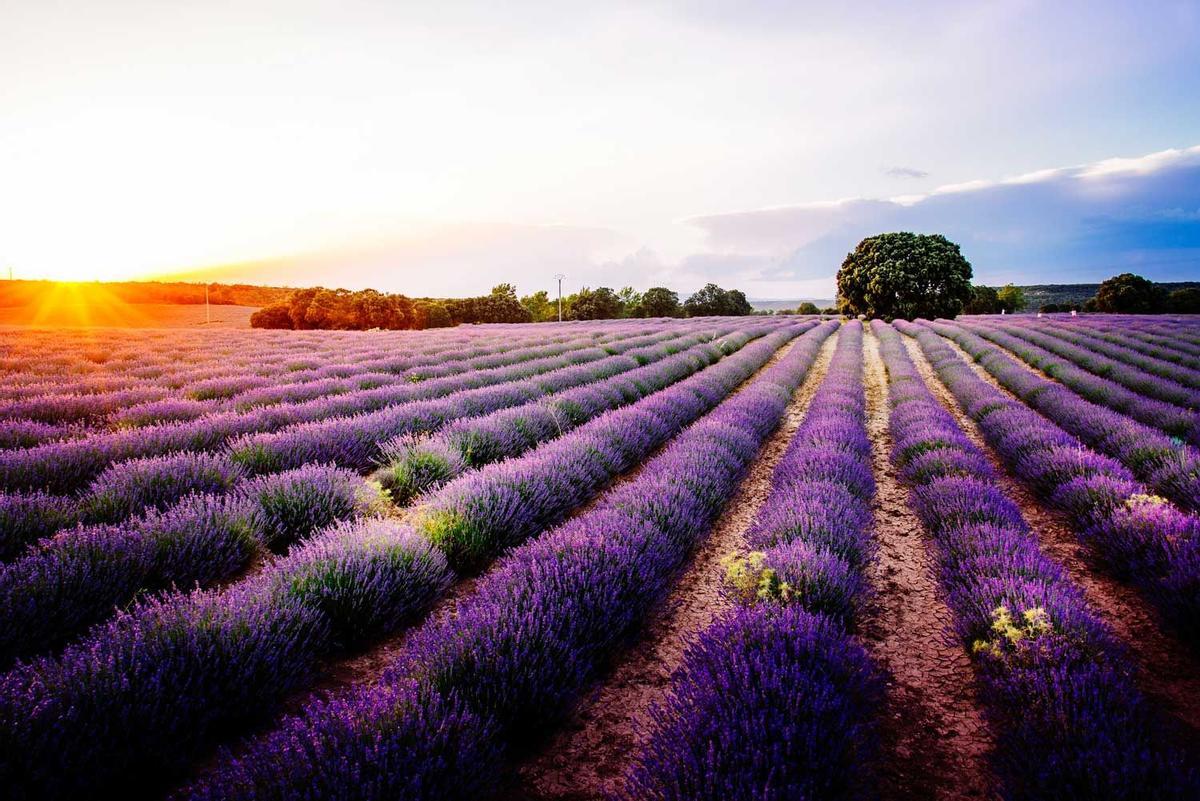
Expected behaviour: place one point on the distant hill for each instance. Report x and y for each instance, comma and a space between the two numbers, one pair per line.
776, 305
1040, 294
1035, 295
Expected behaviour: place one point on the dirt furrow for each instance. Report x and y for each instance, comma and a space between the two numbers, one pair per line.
588, 756
1169, 671
935, 739
369, 665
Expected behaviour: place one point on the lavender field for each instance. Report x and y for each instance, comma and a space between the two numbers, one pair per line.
713, 558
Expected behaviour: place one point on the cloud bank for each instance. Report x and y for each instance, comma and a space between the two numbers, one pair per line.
1074, 224
1063, 225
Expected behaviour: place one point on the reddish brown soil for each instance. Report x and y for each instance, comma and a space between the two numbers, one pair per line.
1169, 671
936, 742
588, 756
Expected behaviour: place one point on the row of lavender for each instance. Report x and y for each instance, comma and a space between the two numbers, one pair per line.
1160, 346
1149, 399
1109, 351
131, 480
68, 465
1169, 467
1056, 685
475, 685
216, 373
778, 700
48, 415
1137, 535
79, 576
97, 358
159, 684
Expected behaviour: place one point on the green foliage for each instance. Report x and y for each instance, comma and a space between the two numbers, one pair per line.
984, 300
631, 302
277, 315
904, 275
432, 314
1130, 294
712, 301
751, 580
1011, 298
1184, 301
807, 308
658, 301
597, 304
540, 307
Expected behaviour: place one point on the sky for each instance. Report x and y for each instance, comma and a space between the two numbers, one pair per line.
441, 148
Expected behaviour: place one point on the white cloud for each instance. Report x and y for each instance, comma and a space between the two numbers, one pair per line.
1055, 225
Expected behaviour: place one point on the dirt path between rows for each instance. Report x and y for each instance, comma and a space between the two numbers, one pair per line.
1169, 671
935, 740
370, 665
587, 758
365, 667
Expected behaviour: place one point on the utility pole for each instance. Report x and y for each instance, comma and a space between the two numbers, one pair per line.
560, 277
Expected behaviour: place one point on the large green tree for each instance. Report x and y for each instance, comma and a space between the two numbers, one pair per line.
712, 301
904, 275
1130, 294
658, 301
595, 304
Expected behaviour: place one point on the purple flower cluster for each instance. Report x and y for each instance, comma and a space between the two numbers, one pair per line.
475, 517
354, 441
68, 465
1130, 371
1136, 535
1145, 407
125, 711
28, 517
78, 577
514, 654
417, 466
778, 701
1141, 360
1054, 683
155, 482
772, 703
1163, 349
1166, 465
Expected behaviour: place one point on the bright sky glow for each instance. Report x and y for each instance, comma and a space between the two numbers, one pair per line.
438, 148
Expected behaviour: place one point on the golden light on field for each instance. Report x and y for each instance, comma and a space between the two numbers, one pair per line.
84, 305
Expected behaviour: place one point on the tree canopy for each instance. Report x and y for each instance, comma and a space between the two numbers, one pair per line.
984, 300
1129, 294
658, 301
1011, 298
713, 301
904, 275
1184, 301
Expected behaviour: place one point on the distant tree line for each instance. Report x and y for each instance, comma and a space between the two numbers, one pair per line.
1122, 294
22, 292
348, 310
1132, 294
343, 309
